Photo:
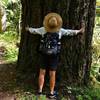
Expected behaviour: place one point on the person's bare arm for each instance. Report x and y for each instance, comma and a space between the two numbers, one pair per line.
40, 30
70, 32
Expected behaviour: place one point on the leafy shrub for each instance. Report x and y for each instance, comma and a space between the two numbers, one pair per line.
9, 42
95, 68
79, 97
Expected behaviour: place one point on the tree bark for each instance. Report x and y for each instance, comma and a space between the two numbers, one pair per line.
76, 56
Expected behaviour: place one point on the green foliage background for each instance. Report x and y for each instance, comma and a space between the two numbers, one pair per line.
10, 37
95, 69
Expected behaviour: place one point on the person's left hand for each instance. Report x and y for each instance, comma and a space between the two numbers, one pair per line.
27, 28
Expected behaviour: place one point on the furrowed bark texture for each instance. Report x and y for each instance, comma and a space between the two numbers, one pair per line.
76, 56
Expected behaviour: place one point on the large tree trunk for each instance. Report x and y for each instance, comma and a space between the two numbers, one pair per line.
75, 60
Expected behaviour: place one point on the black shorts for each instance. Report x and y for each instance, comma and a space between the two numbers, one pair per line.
49, 62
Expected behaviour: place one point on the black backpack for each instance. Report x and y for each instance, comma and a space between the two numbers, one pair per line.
50, 44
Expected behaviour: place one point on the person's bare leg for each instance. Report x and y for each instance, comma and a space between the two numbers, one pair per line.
52, 81
41, 79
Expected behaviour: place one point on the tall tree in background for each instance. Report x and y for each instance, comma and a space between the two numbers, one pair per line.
76, 56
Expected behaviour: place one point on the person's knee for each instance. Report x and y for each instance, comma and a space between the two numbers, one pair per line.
52, 73
42, 72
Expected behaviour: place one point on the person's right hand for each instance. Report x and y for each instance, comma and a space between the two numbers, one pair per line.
82, 30
27, 28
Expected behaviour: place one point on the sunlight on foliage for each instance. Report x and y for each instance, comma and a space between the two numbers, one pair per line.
96, 45
95, 68
8, 40
11, 36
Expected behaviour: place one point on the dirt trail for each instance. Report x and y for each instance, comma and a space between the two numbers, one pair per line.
7, 77
6, 96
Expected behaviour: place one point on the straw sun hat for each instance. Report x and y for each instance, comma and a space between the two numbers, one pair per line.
52, 22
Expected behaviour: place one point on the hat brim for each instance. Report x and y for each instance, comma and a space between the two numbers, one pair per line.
59, 22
